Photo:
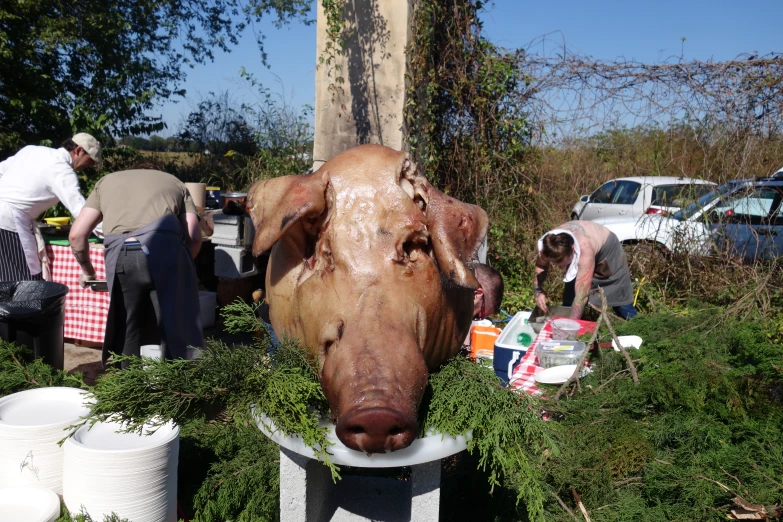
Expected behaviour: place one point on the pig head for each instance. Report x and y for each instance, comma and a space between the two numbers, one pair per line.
370, 271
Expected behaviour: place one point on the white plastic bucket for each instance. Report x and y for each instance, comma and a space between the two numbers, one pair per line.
151, 350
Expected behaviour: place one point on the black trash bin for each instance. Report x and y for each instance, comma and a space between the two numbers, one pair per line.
32, 313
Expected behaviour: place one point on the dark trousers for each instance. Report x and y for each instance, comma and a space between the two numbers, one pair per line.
569, 293
137, 313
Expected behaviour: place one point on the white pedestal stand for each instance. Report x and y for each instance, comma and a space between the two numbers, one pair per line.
308, 494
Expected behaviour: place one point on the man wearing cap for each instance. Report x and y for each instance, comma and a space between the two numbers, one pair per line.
31, 181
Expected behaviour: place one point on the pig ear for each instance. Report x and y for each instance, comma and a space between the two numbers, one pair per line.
275, 205
457, 229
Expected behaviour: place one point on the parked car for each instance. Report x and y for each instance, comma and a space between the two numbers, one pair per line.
744, 218
637, 196
778, 174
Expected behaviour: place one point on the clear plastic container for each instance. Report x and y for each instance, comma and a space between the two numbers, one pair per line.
558, 353
565, 329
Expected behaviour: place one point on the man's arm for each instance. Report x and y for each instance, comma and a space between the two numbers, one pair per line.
65, 186
192, 231
80, 232
539, 276
584, 280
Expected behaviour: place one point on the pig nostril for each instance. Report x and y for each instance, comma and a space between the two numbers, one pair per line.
377, 430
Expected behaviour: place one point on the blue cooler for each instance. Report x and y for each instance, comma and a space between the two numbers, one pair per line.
512, 344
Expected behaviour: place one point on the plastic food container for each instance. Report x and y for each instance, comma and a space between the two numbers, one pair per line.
558, 353
565, 329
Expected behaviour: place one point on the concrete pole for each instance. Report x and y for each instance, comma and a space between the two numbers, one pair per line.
367, 107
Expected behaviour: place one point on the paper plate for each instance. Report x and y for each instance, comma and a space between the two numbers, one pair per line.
558, 374
434, 446
628, 341
42, 407
29, 505
104, 437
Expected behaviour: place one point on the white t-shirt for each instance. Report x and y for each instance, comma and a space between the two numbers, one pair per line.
35, 179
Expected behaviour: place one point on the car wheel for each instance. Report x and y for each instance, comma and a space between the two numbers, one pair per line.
645, 259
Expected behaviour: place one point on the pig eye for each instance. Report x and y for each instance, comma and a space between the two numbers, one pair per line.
415, 249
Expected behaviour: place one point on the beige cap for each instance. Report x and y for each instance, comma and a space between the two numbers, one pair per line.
90, 145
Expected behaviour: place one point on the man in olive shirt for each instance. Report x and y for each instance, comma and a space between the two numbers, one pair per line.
151, 235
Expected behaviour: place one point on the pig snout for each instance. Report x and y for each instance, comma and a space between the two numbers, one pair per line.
377, 430
374, 387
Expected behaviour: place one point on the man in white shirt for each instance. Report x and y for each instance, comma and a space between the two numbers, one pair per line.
31, 181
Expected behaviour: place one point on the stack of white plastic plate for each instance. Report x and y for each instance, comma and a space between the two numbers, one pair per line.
132, 475
32, 422
29, 505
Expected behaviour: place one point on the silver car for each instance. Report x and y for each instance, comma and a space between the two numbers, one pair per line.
634, 197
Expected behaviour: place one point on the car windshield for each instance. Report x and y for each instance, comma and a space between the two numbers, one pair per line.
678, 195
693, 208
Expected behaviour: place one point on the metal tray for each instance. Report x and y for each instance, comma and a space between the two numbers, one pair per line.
538, 319
54, 230
98, 285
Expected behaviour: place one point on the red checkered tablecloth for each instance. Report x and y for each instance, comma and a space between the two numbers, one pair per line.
85, 310
523, 377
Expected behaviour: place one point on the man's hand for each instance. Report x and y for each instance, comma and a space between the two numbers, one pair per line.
84, 278
541, 301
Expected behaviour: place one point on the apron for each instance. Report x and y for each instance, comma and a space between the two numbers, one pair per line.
612, 274
33, 244
174, 277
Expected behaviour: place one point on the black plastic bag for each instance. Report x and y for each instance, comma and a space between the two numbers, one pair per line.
22, 300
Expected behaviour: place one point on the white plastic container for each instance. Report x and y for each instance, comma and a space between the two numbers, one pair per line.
151, 350
508, 348
208, 302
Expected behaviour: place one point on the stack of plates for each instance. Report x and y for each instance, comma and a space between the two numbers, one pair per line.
29, 505
132, 475
32, 422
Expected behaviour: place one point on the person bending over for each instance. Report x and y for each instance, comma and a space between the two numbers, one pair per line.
152, 235
592, 257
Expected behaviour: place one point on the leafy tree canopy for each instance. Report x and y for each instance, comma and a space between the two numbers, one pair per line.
98, 65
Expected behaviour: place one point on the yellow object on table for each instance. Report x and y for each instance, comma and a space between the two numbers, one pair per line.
59, 221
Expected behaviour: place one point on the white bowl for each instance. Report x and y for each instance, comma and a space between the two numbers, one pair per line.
434, 446
29, 505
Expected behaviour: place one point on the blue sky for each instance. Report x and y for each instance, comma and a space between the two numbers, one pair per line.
649, 31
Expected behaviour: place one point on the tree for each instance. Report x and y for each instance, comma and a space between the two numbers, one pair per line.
99, 65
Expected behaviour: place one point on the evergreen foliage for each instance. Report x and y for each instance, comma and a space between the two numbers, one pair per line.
699, 435
19, 371
708, 410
